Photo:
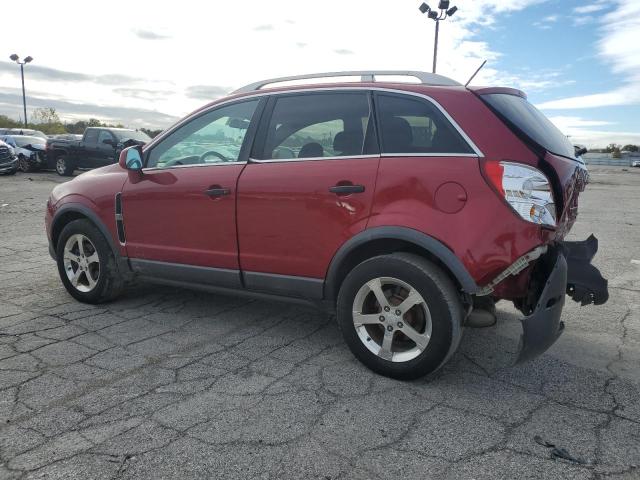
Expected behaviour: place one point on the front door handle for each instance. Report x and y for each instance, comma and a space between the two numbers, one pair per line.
346, 189
217, 191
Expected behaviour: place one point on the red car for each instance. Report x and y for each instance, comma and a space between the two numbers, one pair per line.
400, 207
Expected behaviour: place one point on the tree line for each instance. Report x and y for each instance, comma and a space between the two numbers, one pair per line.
615, 150
48, 121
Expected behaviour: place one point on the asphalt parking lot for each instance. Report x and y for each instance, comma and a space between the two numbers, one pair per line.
167, 383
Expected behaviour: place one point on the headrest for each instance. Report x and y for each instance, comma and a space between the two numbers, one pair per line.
311, 150
348, 143
397, 134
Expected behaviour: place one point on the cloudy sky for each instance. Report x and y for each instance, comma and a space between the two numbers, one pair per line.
147, 64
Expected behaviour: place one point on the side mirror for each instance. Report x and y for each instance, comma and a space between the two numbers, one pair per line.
580, 150
131, 158
108, 141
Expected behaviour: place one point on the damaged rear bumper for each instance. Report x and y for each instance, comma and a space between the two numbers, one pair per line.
571, 273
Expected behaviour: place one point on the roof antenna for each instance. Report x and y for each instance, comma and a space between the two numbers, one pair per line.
475, 73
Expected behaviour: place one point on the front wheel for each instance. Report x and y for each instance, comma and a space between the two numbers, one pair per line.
400, 315
86, 264
64, 166
23, 164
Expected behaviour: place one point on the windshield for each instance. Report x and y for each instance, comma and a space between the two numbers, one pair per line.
25, 131
22, 141
131, 135
531, 122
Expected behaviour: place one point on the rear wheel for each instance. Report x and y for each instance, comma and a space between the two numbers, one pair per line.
86, 264
64, 166
400, 315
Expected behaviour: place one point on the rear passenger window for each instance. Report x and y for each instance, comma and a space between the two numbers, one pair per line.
412, 125
319, 125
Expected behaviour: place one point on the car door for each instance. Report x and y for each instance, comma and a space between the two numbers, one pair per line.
307, 189
179, 213
88, 152
105, 153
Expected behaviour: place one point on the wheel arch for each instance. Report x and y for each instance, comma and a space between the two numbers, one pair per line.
57, 152
75, 211
384, 240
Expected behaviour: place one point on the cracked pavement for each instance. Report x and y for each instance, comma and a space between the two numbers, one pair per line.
168, 383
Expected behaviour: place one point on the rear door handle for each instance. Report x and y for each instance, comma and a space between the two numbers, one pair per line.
346, 189
217, 191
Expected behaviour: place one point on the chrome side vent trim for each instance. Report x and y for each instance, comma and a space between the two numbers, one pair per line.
119, 219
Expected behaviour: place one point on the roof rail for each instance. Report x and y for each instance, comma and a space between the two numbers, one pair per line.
365, 76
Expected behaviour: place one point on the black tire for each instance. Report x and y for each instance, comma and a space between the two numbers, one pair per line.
23, 164
11, 172
109, 281
440, 296
64, 167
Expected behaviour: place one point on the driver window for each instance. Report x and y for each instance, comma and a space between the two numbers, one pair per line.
213, 138
104, 135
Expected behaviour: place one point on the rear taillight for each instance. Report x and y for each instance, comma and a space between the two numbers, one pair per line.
526, 189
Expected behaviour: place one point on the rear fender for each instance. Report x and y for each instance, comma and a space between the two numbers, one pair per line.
409, 235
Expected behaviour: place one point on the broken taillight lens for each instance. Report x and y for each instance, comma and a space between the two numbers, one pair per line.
526, 189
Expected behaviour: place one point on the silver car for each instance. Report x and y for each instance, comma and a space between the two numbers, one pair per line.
30, 150
8, 159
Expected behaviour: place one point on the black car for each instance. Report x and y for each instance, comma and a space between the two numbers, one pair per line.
98, 147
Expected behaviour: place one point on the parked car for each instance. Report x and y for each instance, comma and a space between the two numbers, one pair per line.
8, 159
635, 163
66, 136
23, 131
398, 207
29, 150
98, 147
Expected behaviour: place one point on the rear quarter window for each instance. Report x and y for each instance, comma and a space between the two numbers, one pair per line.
526, 119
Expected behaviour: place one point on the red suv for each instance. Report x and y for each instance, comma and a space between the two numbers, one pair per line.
400, 207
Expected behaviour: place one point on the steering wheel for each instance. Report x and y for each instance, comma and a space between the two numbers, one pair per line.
214, 154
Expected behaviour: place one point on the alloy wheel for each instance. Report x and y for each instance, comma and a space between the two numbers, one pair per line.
61, 166
81, 263
23, 164
392, 319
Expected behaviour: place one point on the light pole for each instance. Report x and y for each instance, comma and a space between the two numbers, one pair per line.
16, 59
445, 12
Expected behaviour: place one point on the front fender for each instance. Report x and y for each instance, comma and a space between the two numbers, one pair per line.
76, 209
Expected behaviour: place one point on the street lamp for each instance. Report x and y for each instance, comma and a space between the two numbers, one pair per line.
445, 12
16, 59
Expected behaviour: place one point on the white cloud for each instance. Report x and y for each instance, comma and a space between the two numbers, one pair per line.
602, 138
619, 46
627, 95
545, 22
585, 132
566, 123
591, 8
213, 46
